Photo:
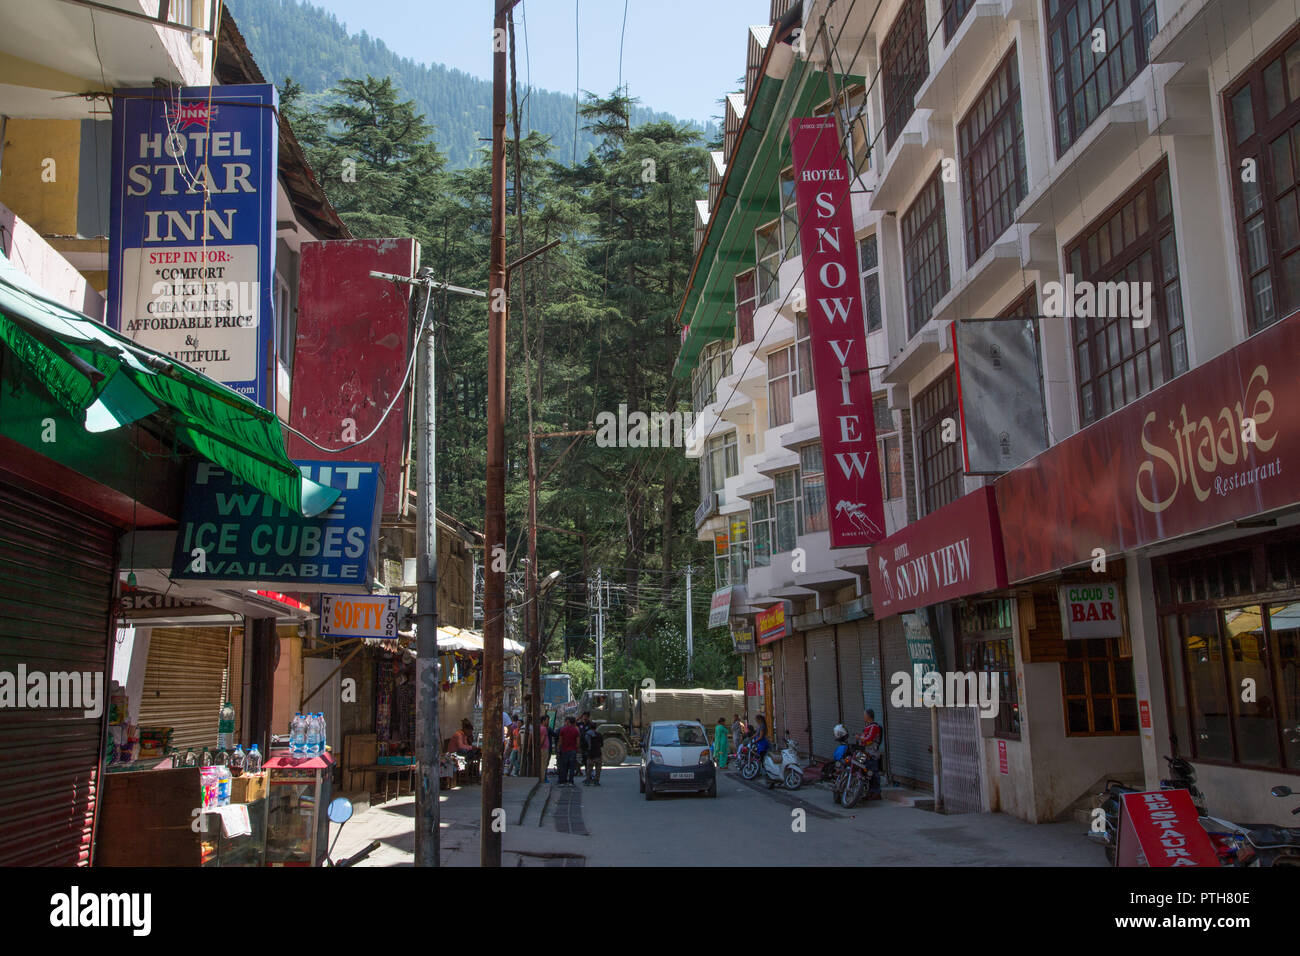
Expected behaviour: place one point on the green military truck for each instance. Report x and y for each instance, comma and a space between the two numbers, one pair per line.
622, 719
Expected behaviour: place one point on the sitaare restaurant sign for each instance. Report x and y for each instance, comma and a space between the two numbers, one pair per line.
191, 260
1215, 445
231, 532
838, 330
950, 553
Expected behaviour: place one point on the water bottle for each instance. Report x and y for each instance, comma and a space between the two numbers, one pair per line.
226, 726
297, 736
313, 736
205, 759
221, 758
254, 760
323, 737
189, 760
237, 762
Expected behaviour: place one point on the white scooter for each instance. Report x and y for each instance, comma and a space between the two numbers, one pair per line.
788, 772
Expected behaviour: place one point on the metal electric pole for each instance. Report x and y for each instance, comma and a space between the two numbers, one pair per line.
600, 631
690, 633
427, 740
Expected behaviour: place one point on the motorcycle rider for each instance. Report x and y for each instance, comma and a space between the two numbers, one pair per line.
872, 741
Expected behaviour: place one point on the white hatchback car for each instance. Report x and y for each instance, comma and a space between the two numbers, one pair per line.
675, 756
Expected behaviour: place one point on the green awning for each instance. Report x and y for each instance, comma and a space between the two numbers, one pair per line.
109, 381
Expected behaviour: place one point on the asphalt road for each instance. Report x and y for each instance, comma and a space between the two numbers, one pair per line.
749, 825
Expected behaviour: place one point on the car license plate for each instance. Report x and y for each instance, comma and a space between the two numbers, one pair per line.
681, 776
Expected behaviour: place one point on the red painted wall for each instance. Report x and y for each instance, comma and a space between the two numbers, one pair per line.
351, 353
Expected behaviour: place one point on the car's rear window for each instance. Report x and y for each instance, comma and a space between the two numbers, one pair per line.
678, 735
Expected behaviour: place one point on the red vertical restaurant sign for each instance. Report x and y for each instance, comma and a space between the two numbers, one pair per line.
854, 503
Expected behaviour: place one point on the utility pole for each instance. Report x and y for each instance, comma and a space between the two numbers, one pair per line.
427, 740
600, 631
690, 633
494, 523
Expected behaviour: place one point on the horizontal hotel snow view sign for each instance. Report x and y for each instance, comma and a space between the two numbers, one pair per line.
1215, 445
953, 552
231, 532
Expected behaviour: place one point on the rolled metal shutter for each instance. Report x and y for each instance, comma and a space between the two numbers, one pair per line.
182, 683
56, 591
823, 690
848, 648
869, 650
795, 679
907, 735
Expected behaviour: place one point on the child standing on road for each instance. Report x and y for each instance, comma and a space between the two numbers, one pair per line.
720, 748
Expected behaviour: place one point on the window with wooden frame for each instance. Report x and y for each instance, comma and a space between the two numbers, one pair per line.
782, 382
1262, 113
1117, 361
986, 636
904, 65
1228, 618
767, 245
1097, 685
853, 118
869, 268
738, 543
713, 364
746, 302
788, 502
1095, 49
941, 464
954, 12
889, 449
789, 217
812, 474
991, 138
762, 529
720, 461
925, 254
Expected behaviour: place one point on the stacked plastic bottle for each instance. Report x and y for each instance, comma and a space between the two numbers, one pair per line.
313, 735
324, 738
254, 760
238, 761
298, 736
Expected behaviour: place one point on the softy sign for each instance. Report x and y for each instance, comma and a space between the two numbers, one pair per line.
347, 615
1091, 610
1216, 444
231, 532
955, 551
191, 260
838, 330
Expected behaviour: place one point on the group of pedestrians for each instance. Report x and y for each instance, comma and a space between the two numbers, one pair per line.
579, 739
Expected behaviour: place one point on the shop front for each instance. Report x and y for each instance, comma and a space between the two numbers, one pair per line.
1191, 486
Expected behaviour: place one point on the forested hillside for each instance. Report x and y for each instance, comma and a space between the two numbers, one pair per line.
293, 39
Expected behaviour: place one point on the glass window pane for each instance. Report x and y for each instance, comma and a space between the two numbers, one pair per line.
1284, 620
1256, 720
1243, 115
1203, 655
1274, 93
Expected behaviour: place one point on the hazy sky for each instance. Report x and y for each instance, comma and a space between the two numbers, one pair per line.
679, 56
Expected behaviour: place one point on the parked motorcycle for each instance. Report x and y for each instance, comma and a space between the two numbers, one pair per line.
789, 771
1182, 776
340, 812
834, 772
859, 778
747, 758
1256, 844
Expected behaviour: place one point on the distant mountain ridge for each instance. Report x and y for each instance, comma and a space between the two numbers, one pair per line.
292, 38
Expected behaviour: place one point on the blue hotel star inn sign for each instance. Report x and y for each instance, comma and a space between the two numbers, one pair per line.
191, 264
231, 532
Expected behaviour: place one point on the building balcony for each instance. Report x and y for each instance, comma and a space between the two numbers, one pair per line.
921, 349
960, 64
1023, 247
925, 139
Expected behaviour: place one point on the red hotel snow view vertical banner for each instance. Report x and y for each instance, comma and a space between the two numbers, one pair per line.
854, 503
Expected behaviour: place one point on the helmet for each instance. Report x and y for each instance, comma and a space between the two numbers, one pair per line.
840, 732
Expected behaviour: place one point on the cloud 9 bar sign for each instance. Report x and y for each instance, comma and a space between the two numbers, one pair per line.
839, 335
192, 245
231, 532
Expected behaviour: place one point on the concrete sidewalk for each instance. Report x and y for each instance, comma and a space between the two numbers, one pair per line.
524, 841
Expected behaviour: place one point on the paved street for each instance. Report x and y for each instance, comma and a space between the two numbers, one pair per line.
745, 825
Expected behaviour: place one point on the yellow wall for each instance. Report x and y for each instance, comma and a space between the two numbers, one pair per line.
49, 207
288, 680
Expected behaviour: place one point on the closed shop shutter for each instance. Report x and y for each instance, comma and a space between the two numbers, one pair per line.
850, 666
56, 591
182, 683
823, 690
872, 695
907, 734
795, 718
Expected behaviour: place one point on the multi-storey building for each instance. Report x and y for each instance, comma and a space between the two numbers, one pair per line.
1015, 161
